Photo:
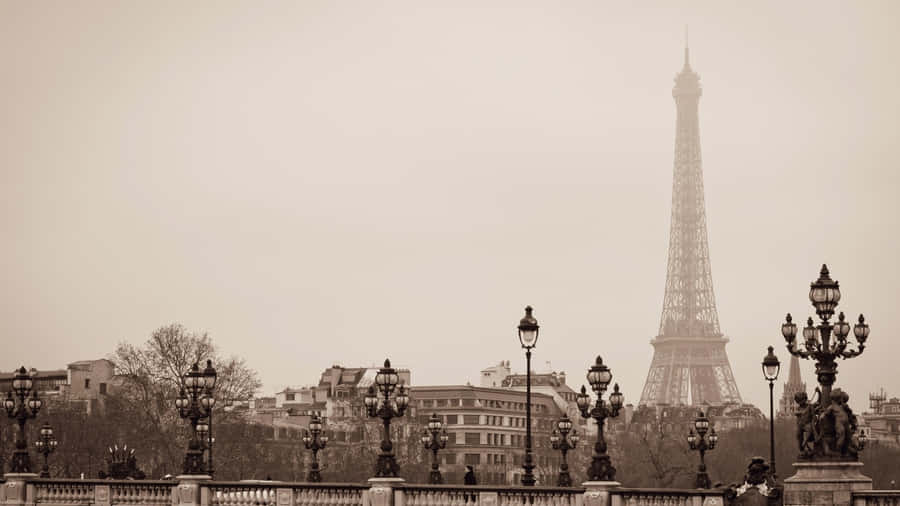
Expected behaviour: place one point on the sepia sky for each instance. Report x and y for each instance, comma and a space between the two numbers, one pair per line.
339, 182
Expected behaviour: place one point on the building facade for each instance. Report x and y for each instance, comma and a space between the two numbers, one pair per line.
882, 421
487, 430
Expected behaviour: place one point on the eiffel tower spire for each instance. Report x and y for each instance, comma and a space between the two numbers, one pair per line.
689, 362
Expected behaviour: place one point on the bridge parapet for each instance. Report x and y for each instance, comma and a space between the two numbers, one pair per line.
32, 491
876, 497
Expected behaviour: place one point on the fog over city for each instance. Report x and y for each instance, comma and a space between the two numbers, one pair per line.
318, 183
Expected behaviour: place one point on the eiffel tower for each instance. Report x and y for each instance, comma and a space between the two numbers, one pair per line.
689, 365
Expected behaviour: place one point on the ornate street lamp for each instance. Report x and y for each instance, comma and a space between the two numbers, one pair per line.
770, 367
528, 335
825, 343
195, 403
45, 445
702, 442
22, 403
314, 439
386, 404
599, 376
563, 441
434, 438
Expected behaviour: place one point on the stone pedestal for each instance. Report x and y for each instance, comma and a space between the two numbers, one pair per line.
381, 491
15, 490
825, 483
188, 492
596, 493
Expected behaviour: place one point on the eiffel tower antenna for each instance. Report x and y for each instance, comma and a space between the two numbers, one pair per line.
689, 365
687, 51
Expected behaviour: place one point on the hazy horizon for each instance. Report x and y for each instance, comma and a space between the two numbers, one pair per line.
316, 183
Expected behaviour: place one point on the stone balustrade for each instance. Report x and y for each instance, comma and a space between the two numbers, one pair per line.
30, 491
876, 497
282, 494
66, 492
455, 495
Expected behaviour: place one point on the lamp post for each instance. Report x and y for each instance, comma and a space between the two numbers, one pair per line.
45, 445
770, 367
702, 442
386, 403
562, 441
434, 438
195, 403
599, 376
22, 403
825, 343
528, 335
314, 439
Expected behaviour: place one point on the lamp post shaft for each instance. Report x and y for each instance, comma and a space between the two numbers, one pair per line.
528, 477
772, 429
209, 446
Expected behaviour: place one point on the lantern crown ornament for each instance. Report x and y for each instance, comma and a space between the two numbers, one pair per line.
824, 293
599, 376
770, 365
528, 329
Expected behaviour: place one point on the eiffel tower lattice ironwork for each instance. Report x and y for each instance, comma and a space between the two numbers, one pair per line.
689, 365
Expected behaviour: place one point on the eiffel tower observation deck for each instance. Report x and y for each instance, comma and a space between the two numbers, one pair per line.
689, 365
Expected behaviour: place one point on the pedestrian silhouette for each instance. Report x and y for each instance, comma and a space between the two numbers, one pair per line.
469, 478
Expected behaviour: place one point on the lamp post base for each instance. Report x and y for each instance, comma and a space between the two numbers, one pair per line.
386, 466
314, 476
528, 479
21, 461
601, 469
702, 480
435, 478
564, 480
193, 462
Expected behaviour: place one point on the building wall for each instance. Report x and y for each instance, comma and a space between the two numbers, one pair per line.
486, 429
89, 379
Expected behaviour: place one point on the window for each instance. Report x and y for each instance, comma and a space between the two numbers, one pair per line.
470, 419
468, 403
103, 388
87, 383
473, 459
473, 438
288, 397
427, 403
452, 419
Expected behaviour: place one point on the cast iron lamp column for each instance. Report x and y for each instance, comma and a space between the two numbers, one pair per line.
45, 445
599, 376
770, 367
314, 439
386, 404
825, 343
210, 377
562, 441
528, 334
700, 442
434, 438
195, 404
22, 403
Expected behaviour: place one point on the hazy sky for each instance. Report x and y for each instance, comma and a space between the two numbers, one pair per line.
340, 182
